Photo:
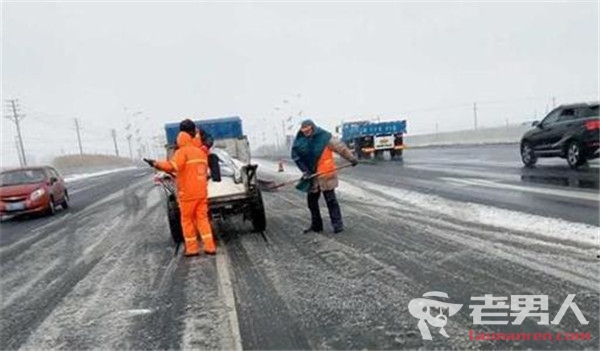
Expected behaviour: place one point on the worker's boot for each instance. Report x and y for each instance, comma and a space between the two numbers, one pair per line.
313, 229
209, 245
191, 247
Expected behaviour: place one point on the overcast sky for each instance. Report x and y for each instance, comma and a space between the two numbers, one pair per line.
424, 62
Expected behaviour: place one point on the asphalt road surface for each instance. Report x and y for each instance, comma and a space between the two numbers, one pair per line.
465, 221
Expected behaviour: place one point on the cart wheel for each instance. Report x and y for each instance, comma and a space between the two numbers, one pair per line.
259, 219
174, 220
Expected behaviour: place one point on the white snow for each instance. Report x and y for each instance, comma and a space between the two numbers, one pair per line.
477, 213
226, 187
80, 176
463, 211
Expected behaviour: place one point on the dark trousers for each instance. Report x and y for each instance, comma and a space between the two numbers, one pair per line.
334, 210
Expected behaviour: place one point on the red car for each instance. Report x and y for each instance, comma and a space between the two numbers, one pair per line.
32, 189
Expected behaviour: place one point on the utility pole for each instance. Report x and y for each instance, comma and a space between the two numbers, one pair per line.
129, 142
140, 148
475, 115
19, 151
113, 133
16, 118
77, 128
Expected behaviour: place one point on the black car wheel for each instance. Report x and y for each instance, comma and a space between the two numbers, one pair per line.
65, 203
51, 207
527, 155
575, 156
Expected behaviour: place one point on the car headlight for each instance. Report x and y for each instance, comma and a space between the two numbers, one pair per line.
37, 194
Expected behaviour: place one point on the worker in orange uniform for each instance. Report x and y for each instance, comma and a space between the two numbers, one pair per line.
190, 164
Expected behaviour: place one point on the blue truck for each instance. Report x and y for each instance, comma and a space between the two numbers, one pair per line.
372, 139
233, 183
226, 133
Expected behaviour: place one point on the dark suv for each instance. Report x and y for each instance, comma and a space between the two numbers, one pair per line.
569, 131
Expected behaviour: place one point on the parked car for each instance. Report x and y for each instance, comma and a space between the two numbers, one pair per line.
568, 131
32, 189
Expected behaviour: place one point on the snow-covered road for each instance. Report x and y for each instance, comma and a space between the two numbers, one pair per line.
104, 274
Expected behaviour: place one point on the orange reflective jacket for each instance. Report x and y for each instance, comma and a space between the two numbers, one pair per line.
326, 164
190, 163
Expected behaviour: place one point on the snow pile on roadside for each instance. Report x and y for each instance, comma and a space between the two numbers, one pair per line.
463, 211
481, 214
80, 176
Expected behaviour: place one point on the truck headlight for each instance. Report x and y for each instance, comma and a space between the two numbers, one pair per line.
37, 194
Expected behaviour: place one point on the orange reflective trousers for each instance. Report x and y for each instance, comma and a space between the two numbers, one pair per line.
194, 219
190, 164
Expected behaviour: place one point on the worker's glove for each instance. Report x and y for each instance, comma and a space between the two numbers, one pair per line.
354, 162
149, 161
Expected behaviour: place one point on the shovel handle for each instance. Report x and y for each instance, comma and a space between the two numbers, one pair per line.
312, 176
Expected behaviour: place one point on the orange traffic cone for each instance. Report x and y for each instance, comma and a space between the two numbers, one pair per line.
280, 166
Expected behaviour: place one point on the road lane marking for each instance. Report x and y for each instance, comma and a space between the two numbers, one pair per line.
544, 191
225, 287
467, 172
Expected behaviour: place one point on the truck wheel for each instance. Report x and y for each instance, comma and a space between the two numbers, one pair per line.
395, 154
575, 156
174, 217
257, 212
527, 155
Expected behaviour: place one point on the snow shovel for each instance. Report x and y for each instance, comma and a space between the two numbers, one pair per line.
303, 184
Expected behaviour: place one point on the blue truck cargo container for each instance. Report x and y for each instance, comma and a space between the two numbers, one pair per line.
226, 132
218, 128
374, 138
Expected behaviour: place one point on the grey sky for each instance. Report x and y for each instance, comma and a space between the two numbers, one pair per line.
426, 63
